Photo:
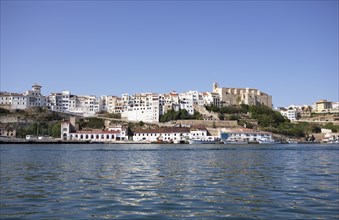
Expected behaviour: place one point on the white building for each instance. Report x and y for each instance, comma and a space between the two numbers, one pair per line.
212, 99
61, 102
168, 102
112, 104
141, 107
31, 98
165, 134
95, 135
189, 99
291, 114
86, 105
244, 134
170, 134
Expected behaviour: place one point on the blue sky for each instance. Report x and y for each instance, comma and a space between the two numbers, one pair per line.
288, 49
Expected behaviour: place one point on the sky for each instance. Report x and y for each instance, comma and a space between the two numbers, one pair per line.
288, 49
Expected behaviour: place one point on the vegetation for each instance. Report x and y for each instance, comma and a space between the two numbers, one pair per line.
40, 129
96, 123
334, 128
267, 118
179, 115
4, 111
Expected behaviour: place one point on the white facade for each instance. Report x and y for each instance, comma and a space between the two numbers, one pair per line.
86, 105
31, 98
173, 134
168, 102
189, 99
141, 107
291, 114
92, 135
244, 134
212, 99
61, 102
113, 104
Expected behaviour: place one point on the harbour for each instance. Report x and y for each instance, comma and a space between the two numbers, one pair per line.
144, 181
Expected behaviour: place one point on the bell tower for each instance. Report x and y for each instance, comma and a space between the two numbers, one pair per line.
215, 87
65, 130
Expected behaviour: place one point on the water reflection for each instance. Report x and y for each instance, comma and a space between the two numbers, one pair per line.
152, 181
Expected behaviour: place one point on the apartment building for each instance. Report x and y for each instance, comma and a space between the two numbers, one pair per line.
141, 107
31, 98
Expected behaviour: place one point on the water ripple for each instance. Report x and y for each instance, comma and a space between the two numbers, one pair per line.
169, 182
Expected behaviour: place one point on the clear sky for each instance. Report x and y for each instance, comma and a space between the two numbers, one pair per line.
288, 49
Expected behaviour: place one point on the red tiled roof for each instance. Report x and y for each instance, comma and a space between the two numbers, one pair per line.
163, 130
96, 132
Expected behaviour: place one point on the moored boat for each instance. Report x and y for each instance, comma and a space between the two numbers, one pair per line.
204, 140
266, 141
235, 142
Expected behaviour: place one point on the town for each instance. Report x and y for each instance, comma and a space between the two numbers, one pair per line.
227, 115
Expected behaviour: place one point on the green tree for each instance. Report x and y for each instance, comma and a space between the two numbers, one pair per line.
141, 123
56, 130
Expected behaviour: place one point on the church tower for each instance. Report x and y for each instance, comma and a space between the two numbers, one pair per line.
65, 130
215, 87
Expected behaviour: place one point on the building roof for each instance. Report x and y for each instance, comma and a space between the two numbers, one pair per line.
322, 101
198, 127
163, 130
96, 132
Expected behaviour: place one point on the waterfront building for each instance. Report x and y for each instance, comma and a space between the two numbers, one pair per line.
169, 134
237, 96
244, 135
164, 134
94, 135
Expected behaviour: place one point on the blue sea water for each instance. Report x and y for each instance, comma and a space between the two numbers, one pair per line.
107, 181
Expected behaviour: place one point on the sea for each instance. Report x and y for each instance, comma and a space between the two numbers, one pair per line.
168, 181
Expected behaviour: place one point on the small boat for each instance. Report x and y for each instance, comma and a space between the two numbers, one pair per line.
235, 142
205, 140
292, 142
266, 141
161, 142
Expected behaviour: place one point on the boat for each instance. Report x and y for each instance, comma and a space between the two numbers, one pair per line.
161, 142
235, 141
204, 140
292, 142
266, 141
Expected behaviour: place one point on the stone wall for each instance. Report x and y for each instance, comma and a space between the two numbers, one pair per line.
8, 119
211, 124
